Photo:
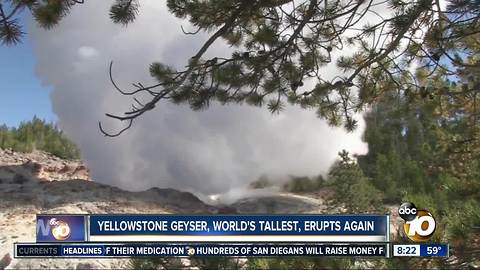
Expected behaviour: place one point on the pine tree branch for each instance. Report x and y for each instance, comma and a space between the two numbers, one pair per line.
130, 116
3, 18
274, 3
13, 12
392, 46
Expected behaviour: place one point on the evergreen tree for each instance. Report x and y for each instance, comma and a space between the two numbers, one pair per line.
38, 135
277, 52
350, 182
280, 45
410, 158
46, 12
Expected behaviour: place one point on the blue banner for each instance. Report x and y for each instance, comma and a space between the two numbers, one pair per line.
433, 250
335, 225
184, 250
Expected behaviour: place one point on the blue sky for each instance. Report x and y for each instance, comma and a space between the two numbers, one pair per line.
22, 95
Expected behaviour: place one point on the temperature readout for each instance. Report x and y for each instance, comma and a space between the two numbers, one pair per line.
421, 250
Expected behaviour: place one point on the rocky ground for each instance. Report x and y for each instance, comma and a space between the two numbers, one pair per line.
40, 183
32, 183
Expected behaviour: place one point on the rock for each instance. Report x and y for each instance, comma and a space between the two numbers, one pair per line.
88, 265
65, 169
5, 261
19, 179
227, 210
36, 168
81, 172
279, 203
52, 191
175, 198
474, 265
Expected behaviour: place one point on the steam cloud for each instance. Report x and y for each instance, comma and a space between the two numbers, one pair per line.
213, 151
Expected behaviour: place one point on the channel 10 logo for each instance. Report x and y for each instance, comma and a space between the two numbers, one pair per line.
419, 224
60, 228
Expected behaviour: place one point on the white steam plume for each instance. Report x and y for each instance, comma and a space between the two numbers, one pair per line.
213, 151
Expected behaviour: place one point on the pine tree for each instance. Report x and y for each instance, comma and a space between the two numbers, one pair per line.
410, 159
38, 135
279, 46
277, 52
349, 181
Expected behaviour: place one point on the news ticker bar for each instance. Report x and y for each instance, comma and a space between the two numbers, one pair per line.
37, 250
115, 250
421, 250
213, 228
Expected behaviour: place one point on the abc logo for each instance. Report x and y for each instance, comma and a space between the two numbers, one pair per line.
419, 224
60, 229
